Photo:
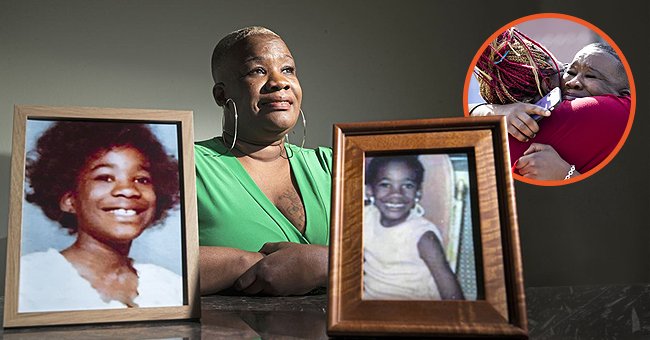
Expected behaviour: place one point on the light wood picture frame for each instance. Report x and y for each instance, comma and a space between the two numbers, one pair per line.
122, 178
498, 309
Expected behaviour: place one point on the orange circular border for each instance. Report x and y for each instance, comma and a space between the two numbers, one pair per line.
609, 40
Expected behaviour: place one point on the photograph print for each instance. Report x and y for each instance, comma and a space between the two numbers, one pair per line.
100, 225
418, 241
98, 197
424, 237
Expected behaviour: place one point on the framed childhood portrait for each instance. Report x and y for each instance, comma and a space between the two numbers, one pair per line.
102, 218
424, 237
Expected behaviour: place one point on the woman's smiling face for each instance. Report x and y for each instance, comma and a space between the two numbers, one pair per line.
260, 76
114, 200
395, 190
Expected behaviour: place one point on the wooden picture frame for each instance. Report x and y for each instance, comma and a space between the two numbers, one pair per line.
151, 208
499, 308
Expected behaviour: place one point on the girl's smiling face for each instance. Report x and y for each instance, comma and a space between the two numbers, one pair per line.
114, 200
395, 190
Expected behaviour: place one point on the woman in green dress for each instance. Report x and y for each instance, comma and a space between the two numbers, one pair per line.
263, 203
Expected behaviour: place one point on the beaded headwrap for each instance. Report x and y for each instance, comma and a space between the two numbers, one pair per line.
513, 67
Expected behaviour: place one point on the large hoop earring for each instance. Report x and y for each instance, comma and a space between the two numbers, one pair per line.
223, 123
304, 128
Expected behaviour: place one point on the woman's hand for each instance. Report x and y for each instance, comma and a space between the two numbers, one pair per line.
542, 162
286, 269
431, 253
518, 117
220, 267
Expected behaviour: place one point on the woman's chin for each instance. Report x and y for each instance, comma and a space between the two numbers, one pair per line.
282, 120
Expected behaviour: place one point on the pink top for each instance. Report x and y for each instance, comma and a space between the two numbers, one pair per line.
583, 131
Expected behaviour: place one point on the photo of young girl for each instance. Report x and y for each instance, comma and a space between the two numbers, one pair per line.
406, 255
91, 189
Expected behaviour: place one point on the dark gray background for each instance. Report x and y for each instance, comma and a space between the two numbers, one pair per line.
357, 61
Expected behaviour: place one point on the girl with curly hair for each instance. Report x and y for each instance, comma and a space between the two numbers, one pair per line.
106, 183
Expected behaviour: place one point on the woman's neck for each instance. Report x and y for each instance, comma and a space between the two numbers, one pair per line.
256, 150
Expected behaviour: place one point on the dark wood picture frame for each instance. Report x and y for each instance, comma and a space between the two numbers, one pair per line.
185, 227
501, 312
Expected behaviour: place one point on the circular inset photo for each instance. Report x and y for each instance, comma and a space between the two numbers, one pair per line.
565, 89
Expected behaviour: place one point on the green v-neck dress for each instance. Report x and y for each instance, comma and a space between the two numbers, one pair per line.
234, 212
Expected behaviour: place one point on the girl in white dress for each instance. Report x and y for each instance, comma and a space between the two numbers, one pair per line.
104, 182
403, 255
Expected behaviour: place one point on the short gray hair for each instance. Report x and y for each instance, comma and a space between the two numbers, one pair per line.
226, 43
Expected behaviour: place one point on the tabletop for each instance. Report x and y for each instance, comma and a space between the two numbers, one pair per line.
584, 312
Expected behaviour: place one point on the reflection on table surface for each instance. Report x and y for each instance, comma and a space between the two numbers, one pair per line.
228, 317
589, 312
611, 312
